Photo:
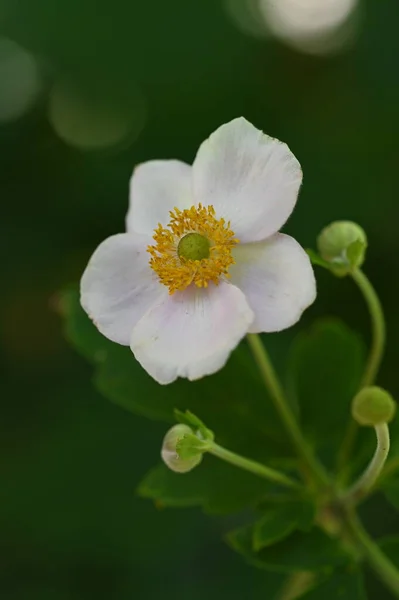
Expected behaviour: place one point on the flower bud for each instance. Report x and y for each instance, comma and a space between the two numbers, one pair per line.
170, 453
343, 245
373, 406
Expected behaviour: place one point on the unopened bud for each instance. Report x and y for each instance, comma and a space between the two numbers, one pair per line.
172, 456
343, 245
373, 406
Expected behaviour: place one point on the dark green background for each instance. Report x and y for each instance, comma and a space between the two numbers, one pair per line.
71, 526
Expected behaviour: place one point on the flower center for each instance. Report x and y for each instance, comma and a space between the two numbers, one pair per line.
195, 247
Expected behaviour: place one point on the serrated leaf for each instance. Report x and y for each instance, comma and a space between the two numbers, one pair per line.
324, 370
243, 422
341, 585
219, 488
275, 525
279, 521
313, 551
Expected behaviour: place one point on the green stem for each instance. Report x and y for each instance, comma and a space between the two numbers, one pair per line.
386, 571
296, 584
276, 392
377, 325
366, 481
374, 358
253, 467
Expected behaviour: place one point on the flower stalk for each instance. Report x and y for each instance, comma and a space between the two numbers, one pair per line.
276, 392
377, 325
253, 467
386, 570
376, 353
184, 445
367, 480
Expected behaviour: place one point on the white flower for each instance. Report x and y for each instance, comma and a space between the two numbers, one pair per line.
202, 263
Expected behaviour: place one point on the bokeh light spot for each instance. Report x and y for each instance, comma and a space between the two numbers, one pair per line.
313, 26
247, 17
20, 80
92, 119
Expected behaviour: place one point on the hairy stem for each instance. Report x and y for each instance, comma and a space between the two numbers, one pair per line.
374, 358
383, 567
254, 467
377, 324
367, 480
276, 392
296, 585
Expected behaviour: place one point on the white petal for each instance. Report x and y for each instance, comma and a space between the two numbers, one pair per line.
277, 279
118, 285
191, 333
156, 187
251, 179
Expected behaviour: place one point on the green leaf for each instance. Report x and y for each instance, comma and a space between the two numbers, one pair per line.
79, 330
341, 585
394, 448
390, 546
279, 521
244, 422
313, 551
391, 491
324, 371
275, 525
215, 485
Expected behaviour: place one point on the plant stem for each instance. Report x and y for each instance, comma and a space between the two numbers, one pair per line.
253, 467
273, 385
386, 571
374, 358
296, 584
377, 324
366, 481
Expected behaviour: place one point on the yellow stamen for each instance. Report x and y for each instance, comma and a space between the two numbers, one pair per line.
177, 272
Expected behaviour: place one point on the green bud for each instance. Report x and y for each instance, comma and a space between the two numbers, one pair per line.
181, 449
373, 406
343, 245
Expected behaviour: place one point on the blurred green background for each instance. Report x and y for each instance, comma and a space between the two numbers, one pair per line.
89, 88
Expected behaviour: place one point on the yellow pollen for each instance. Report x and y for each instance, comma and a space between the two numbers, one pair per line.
178, 272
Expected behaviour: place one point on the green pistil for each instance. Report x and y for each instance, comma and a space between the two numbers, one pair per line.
193, 246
